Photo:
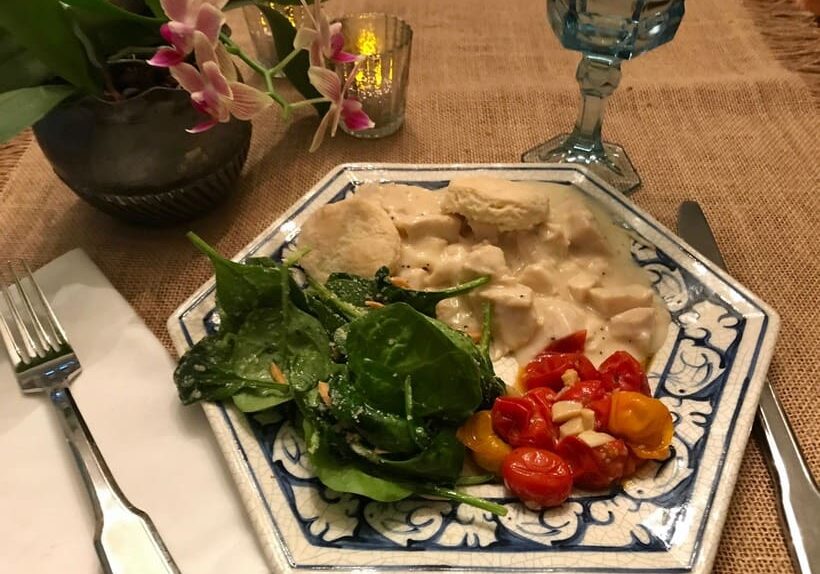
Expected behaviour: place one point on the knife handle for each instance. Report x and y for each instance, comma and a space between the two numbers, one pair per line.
126, 540
799, 497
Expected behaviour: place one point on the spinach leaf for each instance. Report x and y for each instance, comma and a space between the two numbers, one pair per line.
352, 288
317, 306
206, 373
492, 386
386, 431
250, 403
439, 462
422, 301
240, 287
390, 344
346, 476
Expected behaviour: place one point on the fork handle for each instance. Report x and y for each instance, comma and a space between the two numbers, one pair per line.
800, 499
126, 540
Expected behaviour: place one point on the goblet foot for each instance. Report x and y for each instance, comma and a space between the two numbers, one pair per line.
611, 164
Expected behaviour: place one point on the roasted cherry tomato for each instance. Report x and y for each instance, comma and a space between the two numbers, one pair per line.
527, 420
593, 395
570, 344
487, 447
546, 369
594, 468
537, 476
643, 422
623, 371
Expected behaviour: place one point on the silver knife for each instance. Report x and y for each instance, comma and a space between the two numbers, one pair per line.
796, 488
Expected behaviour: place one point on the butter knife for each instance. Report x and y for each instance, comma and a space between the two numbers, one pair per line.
796, 488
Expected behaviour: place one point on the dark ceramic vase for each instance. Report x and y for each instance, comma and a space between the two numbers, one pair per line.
134, 160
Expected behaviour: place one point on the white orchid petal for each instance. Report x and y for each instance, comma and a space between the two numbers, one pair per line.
226, 64
304, 38
326, 83
214, 78
209, 21
247, 101
319, 136
188, 77
203, 49
175, 9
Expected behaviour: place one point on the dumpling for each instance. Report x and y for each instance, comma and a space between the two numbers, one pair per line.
351, 236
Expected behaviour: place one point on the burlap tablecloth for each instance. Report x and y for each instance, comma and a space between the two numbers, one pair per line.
719, 115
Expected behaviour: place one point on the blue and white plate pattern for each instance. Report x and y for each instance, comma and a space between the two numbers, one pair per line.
709, 373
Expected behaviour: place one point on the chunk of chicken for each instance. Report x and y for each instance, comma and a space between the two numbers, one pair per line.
610, 301
539, 278
485, 259
507, 205
415, 211
581, 284
507, 295
583, 231
634, 327
352, 236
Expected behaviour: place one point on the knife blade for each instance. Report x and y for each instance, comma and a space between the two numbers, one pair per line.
797, 491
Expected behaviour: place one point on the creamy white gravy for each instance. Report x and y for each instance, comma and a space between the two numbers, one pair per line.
557, 266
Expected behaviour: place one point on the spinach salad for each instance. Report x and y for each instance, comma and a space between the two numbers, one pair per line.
377, 385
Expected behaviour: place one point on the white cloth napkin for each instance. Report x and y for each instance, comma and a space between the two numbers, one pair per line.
162, 454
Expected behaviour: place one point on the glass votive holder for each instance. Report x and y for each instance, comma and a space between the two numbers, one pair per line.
380, 83
260, 31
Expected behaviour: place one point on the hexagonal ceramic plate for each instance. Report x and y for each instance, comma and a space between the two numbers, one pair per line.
709, 373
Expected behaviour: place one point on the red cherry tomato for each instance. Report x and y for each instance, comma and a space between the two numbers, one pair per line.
601, 408
525, 421
546, 370
594, 468
570, 344
584, 392
623, 371
537, 476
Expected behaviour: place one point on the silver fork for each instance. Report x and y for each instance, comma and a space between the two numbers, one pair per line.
126, 540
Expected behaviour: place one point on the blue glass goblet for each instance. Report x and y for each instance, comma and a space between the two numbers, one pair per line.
606, 32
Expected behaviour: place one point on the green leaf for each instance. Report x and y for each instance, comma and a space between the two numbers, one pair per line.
250, 403
156, 8
345, 476
44, 29
351, 288
241, 288
387, 345
110, 28
423, 301
207, 372
439, 462
18, 68
297, 69
21, 108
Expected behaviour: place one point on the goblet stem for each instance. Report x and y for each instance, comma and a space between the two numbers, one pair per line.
598, 77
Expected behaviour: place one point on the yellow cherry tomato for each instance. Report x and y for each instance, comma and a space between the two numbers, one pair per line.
644, 423
488, 449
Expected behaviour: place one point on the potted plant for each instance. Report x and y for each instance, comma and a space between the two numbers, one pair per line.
132, 100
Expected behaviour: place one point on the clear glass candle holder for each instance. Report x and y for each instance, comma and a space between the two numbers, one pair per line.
381, 79
260, 31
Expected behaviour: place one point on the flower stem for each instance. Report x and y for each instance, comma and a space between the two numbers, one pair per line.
233, 48
309, 102
284, 62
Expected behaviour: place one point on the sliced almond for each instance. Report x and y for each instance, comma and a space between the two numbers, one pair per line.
570, 377
324, 392
572, 427
373, 304
277, 374
562, 411
588, 418
595, 439
400, 282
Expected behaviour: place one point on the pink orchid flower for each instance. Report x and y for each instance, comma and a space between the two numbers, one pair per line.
323, 39
348, 110
186, 18
214, 88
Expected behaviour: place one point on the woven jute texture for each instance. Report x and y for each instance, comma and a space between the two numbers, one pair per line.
725, 115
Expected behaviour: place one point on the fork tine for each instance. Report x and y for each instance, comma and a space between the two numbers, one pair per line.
56, 327
15, 354
29, 344
39, 331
